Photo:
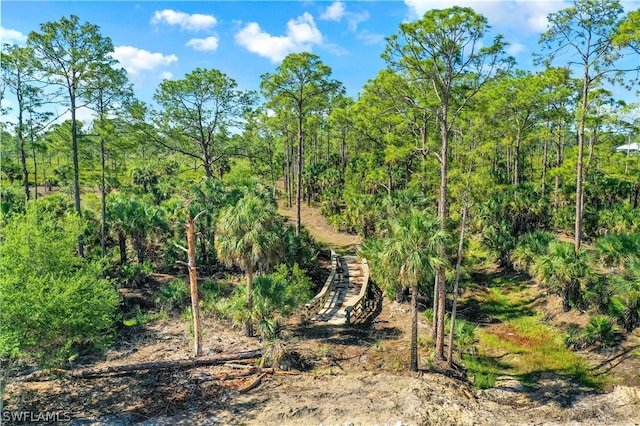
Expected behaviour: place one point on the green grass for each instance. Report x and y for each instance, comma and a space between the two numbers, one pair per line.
518, 343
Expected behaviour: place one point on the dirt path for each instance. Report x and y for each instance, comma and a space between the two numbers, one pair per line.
319, 228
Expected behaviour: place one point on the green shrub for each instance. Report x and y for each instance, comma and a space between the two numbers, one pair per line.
53, 302
601, 330
174, 295
275, 297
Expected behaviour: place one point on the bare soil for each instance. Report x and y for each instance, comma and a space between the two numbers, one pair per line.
328, 375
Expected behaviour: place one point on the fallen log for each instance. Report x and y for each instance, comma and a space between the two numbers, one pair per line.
131, 368
164, 365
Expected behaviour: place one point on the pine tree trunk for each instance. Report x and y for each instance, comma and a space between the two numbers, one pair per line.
457, 279
299, 174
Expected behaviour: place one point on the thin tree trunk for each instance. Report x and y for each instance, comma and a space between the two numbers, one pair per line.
343, 151
193, 284
545, 164
442, 215
299, 173
249, 324
76, 166
458, 265
122, 243
413, 366
103, 197
579, 166
35, 166
516, 160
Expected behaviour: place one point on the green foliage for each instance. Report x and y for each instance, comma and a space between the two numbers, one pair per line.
53, 302
138, 220
618, 249
509, 214
174, 295
565, 271
274, 297
12, 201
299, 286
601, 331
529, 248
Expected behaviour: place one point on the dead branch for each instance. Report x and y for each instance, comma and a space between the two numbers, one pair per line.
158, 365
252, 385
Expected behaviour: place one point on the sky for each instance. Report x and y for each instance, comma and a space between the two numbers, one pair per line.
156, 40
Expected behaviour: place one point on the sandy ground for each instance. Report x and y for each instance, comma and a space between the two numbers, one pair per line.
334, 376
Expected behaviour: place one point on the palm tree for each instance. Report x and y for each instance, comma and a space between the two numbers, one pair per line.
413, 245
564, 270
531, 246
618, 249
627, 293
136, 218
248, 236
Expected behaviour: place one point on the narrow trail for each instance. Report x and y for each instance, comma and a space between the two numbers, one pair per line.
349, 279
319, 229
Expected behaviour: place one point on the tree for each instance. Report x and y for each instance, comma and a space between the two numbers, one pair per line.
585, 34
248, 236
68, 54
193, 281
17, 75
134, 217
413, 245
446, 48
301, 85
198, 112
107, 92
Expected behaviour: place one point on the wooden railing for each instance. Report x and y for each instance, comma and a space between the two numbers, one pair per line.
359, 308
314, 305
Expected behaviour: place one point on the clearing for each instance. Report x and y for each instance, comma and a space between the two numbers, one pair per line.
333, 375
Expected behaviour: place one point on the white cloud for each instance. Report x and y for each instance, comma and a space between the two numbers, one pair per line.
12, 36
335, 12
338, 10
167, 75
369, 38
514, 48
302, 34
135, 60
195, 22
204, 44
355, 18
514, 14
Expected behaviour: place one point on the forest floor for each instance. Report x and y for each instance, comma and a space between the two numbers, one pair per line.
332, 376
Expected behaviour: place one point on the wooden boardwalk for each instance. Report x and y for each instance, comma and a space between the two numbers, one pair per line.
345, 291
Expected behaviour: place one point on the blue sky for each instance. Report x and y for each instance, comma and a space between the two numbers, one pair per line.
245, 39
